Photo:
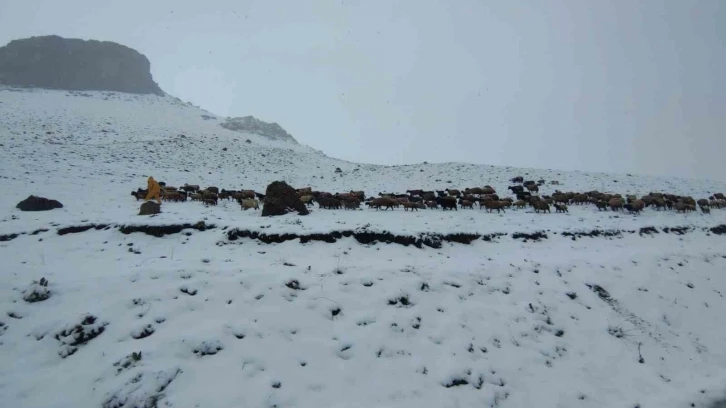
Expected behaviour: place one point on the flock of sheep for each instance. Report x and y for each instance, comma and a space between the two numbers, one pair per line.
526, 194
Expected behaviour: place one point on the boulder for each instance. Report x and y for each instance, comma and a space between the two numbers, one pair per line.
280, 199
150, 208
34, 203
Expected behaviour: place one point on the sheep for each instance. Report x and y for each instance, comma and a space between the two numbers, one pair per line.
175, 196
360, 195
304, 191
601, 205
307, 200
196, 197
414, 192
213, 189
702, 202
412, 206
140, 194
330, 203
377, 203
518, 179
541, 206
719, 196
466, 204
249, 203
447, 203
189, 188
209, 201
560, 208
351, 204
493, 205
516, 189
616, 204
532, 187
429, 196
520, 204
635, 206
432, 204
705, 209
453, 192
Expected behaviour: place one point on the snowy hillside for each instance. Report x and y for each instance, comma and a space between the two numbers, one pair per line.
208, 317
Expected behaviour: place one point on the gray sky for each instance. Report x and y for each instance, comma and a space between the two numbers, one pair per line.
621, 85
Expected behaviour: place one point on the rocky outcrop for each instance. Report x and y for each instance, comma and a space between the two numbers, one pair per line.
281, 199
250, 124
34, 203
54, 62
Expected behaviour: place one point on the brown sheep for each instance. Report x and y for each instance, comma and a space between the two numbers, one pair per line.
494, 205
411, 206
175, 196
520, 204
196, 197
475, 190
719, 196
351, 203
304, 191
209, 201
453, 192
541, 206
616, 204
377, 203
706, 210
190, 187
432, 204
702, 202
361, 195
532, 187
560, 208
249, 203
466, 204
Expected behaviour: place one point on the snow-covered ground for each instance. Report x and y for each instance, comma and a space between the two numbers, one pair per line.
197, 320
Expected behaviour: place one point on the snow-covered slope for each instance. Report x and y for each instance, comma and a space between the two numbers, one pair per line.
630, 320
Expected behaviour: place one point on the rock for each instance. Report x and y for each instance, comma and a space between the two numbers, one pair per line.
250, 124
34, 203
150, 208
54, 62
281, 199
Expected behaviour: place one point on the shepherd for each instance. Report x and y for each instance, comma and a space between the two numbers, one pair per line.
154, 190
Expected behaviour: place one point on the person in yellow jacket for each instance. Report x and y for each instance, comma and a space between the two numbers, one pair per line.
154, 190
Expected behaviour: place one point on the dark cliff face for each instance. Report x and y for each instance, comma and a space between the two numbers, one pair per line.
59, 63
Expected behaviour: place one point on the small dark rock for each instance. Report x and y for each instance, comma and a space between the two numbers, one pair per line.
34, 203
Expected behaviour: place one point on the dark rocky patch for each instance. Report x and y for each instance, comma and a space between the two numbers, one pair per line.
455, 382
81, 228
161, 230
535, 236
33, 203
677, 230
79, 334
648, 231
592, 234
147, 331
719, 230
8, 237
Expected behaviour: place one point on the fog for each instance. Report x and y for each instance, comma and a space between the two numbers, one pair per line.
620, 86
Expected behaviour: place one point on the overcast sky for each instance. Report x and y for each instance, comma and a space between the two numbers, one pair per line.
621, 85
